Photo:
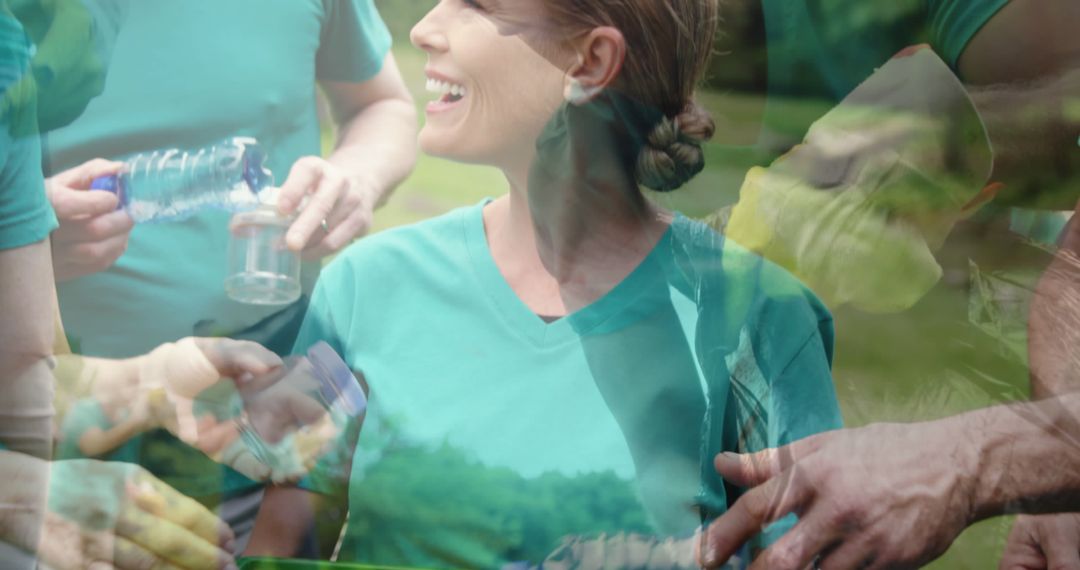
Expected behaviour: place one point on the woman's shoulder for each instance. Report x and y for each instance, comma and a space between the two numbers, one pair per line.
720, 268
427, 242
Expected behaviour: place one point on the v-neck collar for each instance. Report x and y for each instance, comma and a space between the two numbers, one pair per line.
612, 306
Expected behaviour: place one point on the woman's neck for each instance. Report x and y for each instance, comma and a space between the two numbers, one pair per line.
565, 245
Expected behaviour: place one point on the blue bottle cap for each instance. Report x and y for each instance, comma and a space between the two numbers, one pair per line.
111, 183
256, 174
337, 379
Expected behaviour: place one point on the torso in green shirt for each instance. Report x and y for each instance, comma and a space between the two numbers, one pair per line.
186, 74
493, 436
820, 50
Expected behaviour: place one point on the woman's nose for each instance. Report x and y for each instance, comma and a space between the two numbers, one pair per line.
428, 34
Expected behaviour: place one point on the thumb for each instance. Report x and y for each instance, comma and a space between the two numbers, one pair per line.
83, 175
753, 469
238, 359
747, 470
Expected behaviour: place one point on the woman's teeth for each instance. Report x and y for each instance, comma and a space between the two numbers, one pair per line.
448, 91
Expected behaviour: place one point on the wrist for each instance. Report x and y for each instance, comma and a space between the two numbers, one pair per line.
181, 368
179, 372
989, 444
1027, 457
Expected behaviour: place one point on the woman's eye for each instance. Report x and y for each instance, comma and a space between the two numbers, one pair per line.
474, 4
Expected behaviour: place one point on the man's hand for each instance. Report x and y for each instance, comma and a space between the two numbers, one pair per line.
344, 203
118, 516
882, 496
1043, 542
92, 233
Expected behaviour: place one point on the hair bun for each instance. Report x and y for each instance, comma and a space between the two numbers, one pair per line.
673, 154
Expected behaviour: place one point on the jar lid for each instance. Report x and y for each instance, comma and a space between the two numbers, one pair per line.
336, 379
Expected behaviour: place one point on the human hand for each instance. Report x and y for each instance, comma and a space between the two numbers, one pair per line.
882, 496
203, 413
241, 360
144, 413
93, 234
116, 515
338, 208
1043, 542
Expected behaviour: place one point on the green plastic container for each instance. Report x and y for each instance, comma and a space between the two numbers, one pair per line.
259, 563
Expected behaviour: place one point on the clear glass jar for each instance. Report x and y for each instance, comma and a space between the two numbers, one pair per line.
262, 270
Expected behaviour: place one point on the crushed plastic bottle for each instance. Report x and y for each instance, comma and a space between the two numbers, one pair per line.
174, 184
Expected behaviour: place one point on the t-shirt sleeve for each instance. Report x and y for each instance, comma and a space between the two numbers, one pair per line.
330, 475
803, 403
775, 368
25, 214
954, 22
354, 42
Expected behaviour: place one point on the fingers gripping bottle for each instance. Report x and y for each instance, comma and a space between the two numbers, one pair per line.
174, 184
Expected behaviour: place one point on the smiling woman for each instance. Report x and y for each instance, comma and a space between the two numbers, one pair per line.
552, 371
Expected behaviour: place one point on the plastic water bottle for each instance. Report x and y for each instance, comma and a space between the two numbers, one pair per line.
174, 184
309, 402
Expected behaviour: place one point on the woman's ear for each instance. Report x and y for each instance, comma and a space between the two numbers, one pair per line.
600, 55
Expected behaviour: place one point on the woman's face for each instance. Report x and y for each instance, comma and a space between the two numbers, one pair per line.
493, 92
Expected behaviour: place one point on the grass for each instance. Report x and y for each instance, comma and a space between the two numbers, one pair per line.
873, 382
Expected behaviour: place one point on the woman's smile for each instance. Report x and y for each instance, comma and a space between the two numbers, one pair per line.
450, 93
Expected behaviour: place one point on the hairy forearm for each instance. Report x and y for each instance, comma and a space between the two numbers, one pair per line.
378, 145
1028, 456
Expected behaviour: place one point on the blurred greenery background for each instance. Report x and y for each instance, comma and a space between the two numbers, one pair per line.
869, 347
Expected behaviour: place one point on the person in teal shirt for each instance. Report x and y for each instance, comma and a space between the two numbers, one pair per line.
550, 372
25, 215
43, 515
186, 75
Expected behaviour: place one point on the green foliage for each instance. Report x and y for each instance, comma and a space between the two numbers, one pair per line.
401, 15
469, 514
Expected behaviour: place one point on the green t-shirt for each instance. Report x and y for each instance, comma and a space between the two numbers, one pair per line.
494, 436
25, 214
187, 74
84, 415
818, 51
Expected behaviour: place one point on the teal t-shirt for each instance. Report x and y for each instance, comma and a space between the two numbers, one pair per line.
85, 415
25, 214
818, 51
187, 74
495, 436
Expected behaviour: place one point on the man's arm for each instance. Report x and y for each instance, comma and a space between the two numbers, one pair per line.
1023, 71
897, 495
375, 150
27, 302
